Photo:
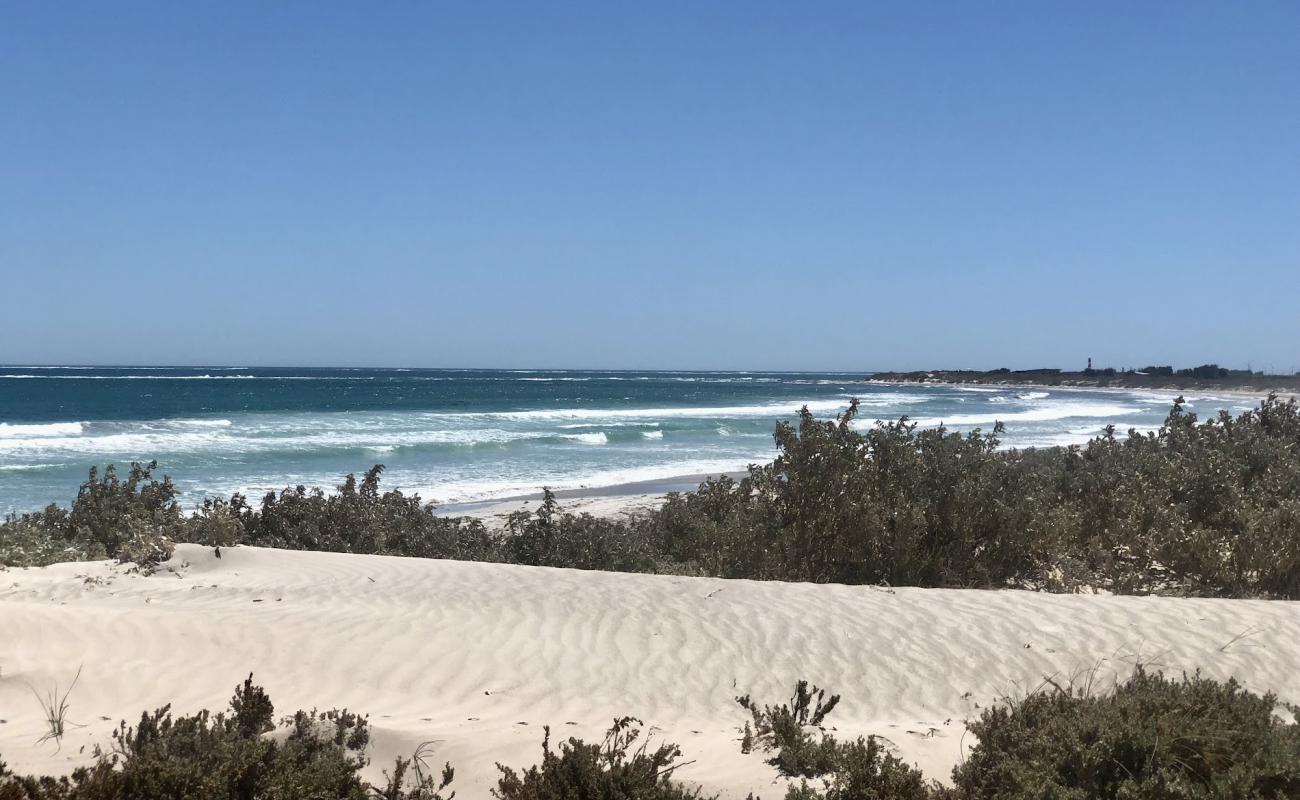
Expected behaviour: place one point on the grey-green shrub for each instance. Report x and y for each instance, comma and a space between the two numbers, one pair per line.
794, 734
135, 519
1152, 738
615, 769
230, 756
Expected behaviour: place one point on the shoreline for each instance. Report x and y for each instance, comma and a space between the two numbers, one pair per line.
625, 499
628, 499
616, 500
1244, 393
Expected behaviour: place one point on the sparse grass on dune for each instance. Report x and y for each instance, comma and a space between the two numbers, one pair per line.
54, 708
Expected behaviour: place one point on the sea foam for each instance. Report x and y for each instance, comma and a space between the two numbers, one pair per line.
8, 431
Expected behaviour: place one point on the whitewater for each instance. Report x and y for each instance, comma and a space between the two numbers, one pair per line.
462, 436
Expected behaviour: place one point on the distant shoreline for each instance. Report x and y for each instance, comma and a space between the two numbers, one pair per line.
1233, 386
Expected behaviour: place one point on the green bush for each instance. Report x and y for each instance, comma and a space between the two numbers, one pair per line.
358, 518
136, 519
204, 756
861, 768
865, 770
783, 728
550, 537
1151, 738
1206, 508
616, 769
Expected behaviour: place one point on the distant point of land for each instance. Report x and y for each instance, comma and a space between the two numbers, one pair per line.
1207, 377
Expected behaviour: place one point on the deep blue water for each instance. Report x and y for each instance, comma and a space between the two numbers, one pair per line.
465, 435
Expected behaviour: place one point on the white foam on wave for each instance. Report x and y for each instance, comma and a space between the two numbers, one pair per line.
199, 423
309, 434
474, 489
1019, 398
589, 438
1043, 413
888, 400
58, 366
607, 424
773, 410
8, 431
135, 444
385, 431
1209, 402
204, 377
1043, 440
1121, 427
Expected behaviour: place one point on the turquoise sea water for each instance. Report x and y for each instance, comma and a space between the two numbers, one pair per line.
469, 435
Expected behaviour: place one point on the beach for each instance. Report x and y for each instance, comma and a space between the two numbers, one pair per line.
477, 658
615, 502
462, 438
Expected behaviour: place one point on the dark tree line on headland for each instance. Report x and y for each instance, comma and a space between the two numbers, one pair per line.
1205, 376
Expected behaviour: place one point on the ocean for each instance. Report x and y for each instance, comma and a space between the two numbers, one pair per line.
464, 436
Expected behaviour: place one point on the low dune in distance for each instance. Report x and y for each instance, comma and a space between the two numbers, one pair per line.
477, 658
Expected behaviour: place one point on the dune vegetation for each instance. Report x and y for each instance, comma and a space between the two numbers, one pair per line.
1150, 737
1206, 508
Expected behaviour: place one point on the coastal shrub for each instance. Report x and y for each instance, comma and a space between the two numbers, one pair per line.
38, 539
1149, 738
894, 504
359, 518
218, 522
135, 519
615, 769
860, 768
784, 728
1152, 737
230, 755
107, 506
550, 537
864, 769
1208, 508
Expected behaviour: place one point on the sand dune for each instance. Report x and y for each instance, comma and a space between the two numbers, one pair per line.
478, 657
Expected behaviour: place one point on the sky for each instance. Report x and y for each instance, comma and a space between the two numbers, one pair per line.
721, 185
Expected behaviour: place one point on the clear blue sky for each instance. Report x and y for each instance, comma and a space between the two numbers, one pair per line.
682, 185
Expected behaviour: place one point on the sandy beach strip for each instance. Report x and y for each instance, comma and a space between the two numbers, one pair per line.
476, 658
619, 500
